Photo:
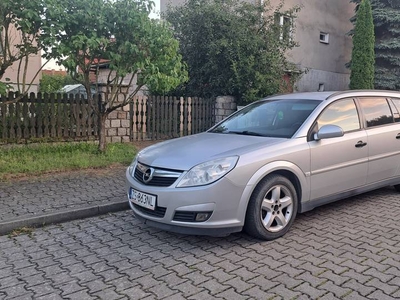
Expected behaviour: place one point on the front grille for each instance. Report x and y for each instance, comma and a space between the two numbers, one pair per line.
185, 216
161, 177
158, 212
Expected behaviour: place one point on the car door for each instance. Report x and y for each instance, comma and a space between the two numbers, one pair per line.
339, 164
383, 137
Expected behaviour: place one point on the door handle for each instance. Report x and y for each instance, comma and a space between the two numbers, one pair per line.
398, 136
360, 144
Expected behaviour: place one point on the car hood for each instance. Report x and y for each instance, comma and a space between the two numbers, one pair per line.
186, 152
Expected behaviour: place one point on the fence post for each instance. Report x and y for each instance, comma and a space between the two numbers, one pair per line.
131, 119
224, 106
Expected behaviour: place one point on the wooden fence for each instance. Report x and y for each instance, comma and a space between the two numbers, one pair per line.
49, 116
154, 118
71, 117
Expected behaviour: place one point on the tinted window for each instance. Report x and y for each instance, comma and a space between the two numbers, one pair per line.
377, 111
275, 118
342, 113
395, 106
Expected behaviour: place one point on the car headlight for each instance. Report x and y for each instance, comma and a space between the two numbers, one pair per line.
132, 166
208, 172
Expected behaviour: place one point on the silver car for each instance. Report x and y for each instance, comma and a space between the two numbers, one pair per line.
275, 158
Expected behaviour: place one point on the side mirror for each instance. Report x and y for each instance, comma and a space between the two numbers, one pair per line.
328, 132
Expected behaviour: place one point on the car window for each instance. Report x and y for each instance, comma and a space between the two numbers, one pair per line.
395, 106
342, 113
376, 111
272, 118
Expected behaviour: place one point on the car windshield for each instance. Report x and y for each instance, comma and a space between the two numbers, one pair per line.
270, 118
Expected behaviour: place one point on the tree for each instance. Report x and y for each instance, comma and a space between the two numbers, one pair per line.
54, 83
233, 47
21, 25
117, 40
387, 43
363, 55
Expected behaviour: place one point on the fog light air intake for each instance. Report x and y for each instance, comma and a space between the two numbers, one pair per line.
191, 216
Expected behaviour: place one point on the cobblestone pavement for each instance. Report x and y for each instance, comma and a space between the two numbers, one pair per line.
346, 250
58, 192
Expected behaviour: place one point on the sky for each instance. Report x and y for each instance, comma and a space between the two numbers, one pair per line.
52, 64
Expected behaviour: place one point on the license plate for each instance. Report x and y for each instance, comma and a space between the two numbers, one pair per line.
142, 199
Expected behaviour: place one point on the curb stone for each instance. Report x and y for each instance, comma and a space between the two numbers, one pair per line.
61, 216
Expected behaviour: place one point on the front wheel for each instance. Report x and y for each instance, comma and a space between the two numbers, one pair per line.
272, 208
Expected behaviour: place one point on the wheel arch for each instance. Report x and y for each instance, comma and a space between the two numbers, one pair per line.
283, 168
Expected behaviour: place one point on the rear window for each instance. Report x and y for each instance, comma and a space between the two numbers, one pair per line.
376, 111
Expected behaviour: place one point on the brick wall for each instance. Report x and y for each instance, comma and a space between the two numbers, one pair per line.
224, 106
117, 125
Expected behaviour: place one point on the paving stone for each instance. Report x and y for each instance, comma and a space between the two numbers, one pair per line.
212, 259
312, 268
337, 290
257, 293
196, 277
137, 293
15, 290
247, 275
386, 288
377, 274
263, 282
178, 296
201, 296
284, 292
221, 275
350, 264
336, 279
357, 276
338, 250
361, 289
307, 289
204, 267
49, 297
214, 287
231, 294
162, 291
288, 281
239, 285
381, 296
70, 288
107, 294
81, 295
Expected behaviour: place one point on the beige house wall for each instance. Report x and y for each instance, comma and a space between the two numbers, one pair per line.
323, 64
34, 64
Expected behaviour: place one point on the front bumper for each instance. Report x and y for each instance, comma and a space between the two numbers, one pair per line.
221, 198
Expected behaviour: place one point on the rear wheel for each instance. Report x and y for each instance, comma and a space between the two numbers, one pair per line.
272, 208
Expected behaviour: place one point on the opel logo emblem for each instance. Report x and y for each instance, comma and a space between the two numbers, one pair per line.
148, 175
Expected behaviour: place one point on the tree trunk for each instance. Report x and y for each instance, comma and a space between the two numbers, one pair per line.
102, 132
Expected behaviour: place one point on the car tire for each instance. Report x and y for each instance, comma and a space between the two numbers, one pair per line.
272, 208
397, 187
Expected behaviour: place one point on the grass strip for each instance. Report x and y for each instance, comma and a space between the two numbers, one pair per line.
35, 159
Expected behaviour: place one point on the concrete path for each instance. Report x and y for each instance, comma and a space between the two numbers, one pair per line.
61, 197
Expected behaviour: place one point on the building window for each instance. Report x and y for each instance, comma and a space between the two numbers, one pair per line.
324, 37
285, 26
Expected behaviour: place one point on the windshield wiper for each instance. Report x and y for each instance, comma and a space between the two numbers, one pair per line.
245, 132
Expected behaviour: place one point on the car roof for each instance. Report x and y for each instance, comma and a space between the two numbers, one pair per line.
334, 94
309, 96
